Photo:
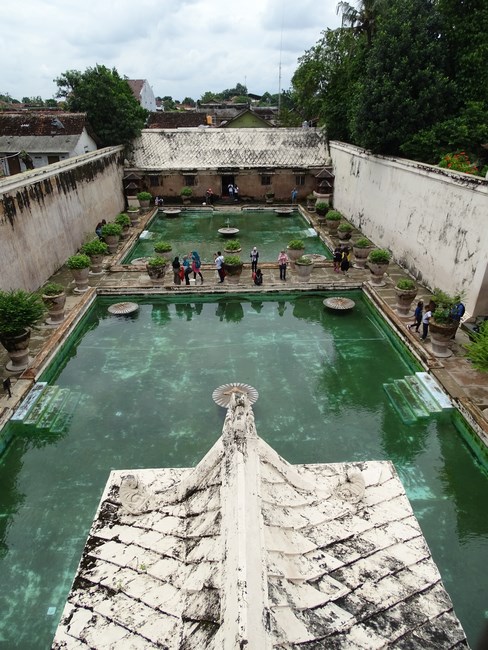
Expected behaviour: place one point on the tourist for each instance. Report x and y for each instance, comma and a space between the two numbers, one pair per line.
230, 189
457, 312
258, 278
345, 263
294, 194
209, 196
425, 320
219, 260
417, 316
176, 270
337, 259
254, 255
282, 262
196, 265
236, 193
98, 228
159, 201
186, 268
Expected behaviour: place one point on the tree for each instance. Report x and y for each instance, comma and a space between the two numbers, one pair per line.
33, 101
168, 103
188, 101
404, 88
111, 108
209, 96
363, 19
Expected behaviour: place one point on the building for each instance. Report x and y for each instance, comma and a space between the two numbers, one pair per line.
143, 92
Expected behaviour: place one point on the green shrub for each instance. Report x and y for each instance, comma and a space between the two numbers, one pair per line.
345, 227
79, 261
303, 261
186, 191
477, 350
321, 206
52, 289
156, 262
296, 244
123, 219
333, 215
95, 247
362, 242
444, 303
111, 228
162, 247
233, 245
144, 196
406, 284
379, 256
19, 310
232, 260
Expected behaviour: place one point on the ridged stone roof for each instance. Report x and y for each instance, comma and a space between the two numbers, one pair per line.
206, 148
246, 550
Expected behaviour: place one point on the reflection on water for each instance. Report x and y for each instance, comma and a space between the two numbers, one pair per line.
137, 393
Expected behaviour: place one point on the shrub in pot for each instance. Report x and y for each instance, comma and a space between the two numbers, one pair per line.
233, 246
80, 267
111, 234
310, 202
295, 250
443, 324
344, 230
54, 297
361, 249
321, 208
405, 290
95, 249
123, 220
304, 268
156, 268
269, 196
378, 260
19, 313
232, 266
333, 219
186, 194
163, 249
144, 199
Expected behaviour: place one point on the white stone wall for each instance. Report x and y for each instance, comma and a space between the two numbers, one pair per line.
148, 101
46, 214
434, 221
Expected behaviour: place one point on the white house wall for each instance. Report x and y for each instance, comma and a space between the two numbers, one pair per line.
84, 145
148, 101
46, 214
434, 221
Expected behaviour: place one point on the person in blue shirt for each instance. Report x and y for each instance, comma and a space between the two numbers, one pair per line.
417, 316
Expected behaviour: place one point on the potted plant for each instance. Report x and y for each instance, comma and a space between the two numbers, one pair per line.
310, 202
144, 199
304, 268
95, 249
123, 220
232, 266
443, 325
378, 260
321, 208
186, 194
111, 234
163, 249
19, 312
80, 267
332, 221
344, 230
233, 246
156, 269
405, 290
269, 196
54, 297
361, 249
133, 214
295, 250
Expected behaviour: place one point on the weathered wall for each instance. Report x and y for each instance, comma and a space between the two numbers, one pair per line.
434, 221
46, 214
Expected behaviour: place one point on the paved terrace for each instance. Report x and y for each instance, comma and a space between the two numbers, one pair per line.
467, 387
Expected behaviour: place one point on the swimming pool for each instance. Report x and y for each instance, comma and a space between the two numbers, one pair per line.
198, 230
138, 391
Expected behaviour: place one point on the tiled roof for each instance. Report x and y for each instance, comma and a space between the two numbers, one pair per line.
247, 550
206, 148
136, 86
175, 120
50, 123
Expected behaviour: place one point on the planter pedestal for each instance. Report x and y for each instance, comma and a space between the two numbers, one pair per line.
81, 279
377, 273
332, 225
440, 338
156, 275
360, 257
293, 255
55, 307
405, 298
112, 242
303, 271
232, 273
18, 351
96, 262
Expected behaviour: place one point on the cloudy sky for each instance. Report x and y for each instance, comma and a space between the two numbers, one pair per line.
182, 47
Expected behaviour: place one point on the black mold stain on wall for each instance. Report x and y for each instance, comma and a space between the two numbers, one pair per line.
65, 181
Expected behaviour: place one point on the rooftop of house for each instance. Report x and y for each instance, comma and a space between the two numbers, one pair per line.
136, 86
175, 120
206, 148
248, 550
43, 131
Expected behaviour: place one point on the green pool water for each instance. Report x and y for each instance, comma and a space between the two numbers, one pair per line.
139, 390
198, 230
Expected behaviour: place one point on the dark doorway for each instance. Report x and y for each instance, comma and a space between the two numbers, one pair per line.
226, 181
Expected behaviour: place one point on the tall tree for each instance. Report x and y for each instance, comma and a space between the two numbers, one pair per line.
112, 110
404, 88
361, 19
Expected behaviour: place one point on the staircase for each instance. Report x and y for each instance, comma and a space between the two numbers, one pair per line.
416, 396
47, 408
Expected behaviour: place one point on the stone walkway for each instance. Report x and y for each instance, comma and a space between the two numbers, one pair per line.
464, 384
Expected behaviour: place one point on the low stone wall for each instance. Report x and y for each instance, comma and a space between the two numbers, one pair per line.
47, 213
432, 219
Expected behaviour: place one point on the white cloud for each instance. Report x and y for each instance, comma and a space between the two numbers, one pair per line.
182, 47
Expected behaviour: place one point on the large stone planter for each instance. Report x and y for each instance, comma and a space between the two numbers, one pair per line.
80, 277
377, 273
156, 273
233, 272
440, 337
332, 225
18, 350
112, 242
405, 298
360, 256
96, 264
294, 254
55, 308
303, 271
134, 218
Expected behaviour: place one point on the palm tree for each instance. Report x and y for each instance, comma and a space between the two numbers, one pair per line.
360, 19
